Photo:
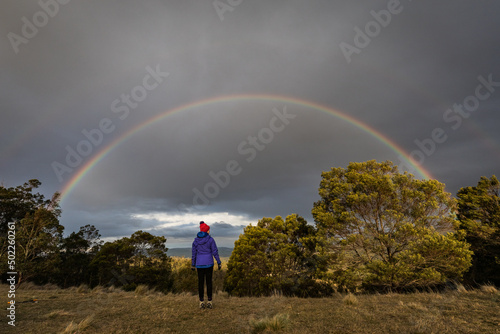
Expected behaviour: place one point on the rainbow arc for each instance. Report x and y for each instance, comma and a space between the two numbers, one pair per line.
99, 156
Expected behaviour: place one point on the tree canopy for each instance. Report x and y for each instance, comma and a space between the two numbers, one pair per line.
128, 262
386, 229
276, 257
479, 218
37, 229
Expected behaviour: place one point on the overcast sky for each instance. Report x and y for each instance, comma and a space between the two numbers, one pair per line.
77, 76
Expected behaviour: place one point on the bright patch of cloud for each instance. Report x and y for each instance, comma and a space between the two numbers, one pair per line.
183, 219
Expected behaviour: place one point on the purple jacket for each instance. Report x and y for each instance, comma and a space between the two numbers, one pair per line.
204, 250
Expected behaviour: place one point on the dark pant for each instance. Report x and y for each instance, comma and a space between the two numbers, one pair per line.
205, 274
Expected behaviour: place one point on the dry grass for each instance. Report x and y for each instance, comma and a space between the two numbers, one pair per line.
83, 288
99, 289
58, 313
489, 289
80, 327
350, 299
461, 289
277, 323
115, 311
142, 290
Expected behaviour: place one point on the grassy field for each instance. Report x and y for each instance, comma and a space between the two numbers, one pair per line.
80, 310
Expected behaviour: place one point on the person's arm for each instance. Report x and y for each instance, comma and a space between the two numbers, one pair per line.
193, 256
215, 253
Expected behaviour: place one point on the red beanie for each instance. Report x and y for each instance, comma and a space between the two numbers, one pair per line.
204, 227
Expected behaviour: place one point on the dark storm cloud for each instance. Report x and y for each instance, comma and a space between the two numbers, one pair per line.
407, 73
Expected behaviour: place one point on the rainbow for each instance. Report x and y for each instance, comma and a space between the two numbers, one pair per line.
80, 174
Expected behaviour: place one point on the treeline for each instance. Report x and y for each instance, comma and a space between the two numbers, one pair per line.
375, 229
43, 255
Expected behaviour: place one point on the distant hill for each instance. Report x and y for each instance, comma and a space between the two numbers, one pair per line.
186, 252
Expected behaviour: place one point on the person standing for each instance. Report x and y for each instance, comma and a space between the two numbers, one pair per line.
204, 249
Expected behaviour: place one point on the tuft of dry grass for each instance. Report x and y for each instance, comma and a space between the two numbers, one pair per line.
491, 289
350, 299
85, 323
83, 288
98, 289
460, 288
71, 328
112, 288
81, 326
141, 290
279, 322
58, 313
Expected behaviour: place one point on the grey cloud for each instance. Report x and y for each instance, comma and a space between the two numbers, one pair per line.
66, 78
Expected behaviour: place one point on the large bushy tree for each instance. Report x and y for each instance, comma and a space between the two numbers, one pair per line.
479, 217
276, 257
128, 262
37, 230
388, 230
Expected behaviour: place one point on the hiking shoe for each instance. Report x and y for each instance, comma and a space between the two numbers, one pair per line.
209, 304
202, 305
